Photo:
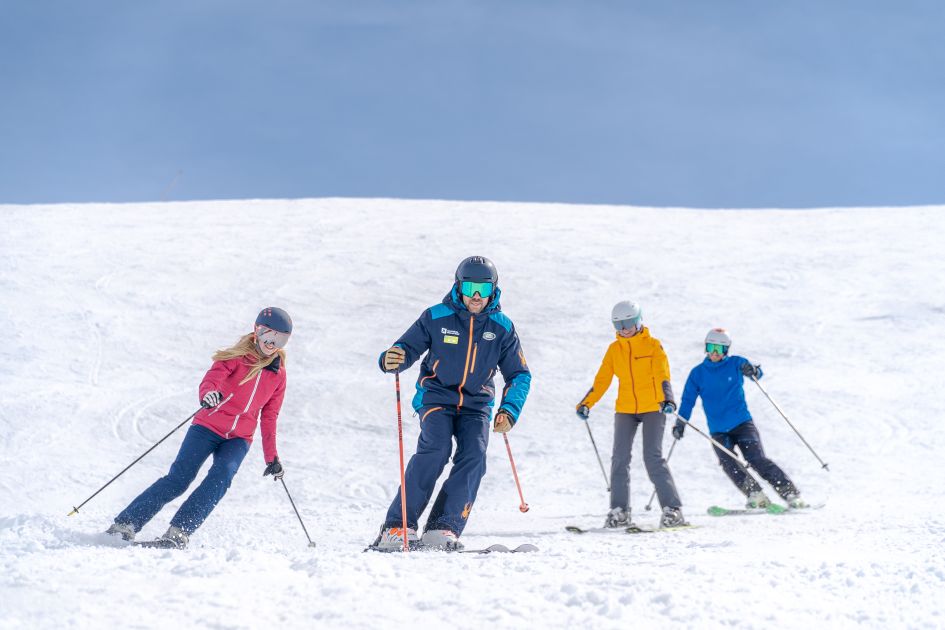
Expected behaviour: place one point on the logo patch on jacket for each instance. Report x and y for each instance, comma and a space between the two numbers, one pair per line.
447, 331
488, 336
453, 339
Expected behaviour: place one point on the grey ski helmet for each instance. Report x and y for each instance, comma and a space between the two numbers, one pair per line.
718, 336
627, 315
275, 319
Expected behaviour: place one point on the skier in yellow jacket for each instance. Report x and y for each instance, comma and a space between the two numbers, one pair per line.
644, 397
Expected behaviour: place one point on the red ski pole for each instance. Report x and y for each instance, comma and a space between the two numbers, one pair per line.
403, 481
524, 506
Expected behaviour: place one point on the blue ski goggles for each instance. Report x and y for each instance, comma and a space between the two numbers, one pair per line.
271, 338
627, 324
484, 289
716, 347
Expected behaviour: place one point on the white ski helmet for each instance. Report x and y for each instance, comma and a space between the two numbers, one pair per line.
627, 315
719, 336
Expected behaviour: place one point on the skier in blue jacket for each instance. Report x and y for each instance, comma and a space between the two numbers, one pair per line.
466, 338
719, 380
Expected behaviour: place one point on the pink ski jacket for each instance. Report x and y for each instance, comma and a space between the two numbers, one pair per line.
258, 400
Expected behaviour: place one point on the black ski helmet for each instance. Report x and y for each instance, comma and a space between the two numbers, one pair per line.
275, 319
477, 269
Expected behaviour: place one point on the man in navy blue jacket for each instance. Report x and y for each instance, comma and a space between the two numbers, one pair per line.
466, 338
719, 380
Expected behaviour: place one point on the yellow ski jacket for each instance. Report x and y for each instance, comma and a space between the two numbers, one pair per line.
642, 369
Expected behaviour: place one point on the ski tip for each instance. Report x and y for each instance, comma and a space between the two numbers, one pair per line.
717, 511
525, 548
575, 529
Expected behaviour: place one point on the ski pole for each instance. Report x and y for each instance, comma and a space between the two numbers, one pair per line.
738, 460
599, 461
523, 507
75, 510
310, 542
668, 455
763, 391
403, 479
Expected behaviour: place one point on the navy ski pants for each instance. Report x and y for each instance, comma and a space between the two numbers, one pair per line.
199, 443
745, 437
438, 427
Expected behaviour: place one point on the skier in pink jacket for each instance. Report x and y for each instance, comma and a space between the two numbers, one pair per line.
244, 386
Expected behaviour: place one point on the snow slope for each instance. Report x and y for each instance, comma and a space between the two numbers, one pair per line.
111, 312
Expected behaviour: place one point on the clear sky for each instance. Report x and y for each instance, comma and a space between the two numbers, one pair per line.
727, 103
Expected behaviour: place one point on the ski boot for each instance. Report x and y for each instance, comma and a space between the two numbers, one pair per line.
757, 499
392, 539
672, 517
125, 530
795, 501
618, 517
441, 539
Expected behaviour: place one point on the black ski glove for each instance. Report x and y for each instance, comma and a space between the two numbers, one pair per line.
583, 411
751, 371
274, 468
667, 407
211, 399
679, 428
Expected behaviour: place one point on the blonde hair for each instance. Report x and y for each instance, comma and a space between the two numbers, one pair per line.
246, 346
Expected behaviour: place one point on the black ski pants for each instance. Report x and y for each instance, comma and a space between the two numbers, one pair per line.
745, 437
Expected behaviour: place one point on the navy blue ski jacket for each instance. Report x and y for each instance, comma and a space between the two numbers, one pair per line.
463, 352
722, 387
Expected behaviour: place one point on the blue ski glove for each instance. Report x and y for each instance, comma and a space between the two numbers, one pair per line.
679, 428
274, 468
668, 407
583, 411
751, 371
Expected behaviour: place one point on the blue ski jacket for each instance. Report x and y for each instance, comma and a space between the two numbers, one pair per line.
722, 387
463, 352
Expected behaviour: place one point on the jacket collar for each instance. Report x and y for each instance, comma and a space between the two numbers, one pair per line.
643, 334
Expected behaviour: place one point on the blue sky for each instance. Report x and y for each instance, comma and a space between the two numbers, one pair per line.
703, 104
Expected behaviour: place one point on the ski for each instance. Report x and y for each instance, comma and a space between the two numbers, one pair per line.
774, 508
523, 548
633, 529
160, 543
574, 529
655, 530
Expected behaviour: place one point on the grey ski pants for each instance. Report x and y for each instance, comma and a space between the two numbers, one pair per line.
625, 428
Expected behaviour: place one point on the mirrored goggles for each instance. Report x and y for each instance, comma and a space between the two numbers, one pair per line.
627, 324
484, 289
271, 338
716, 347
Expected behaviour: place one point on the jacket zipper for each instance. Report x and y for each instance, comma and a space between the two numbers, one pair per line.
472, 368
633, 383
245, 409
466, 367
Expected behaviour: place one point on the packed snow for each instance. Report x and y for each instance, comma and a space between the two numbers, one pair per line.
111, 313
